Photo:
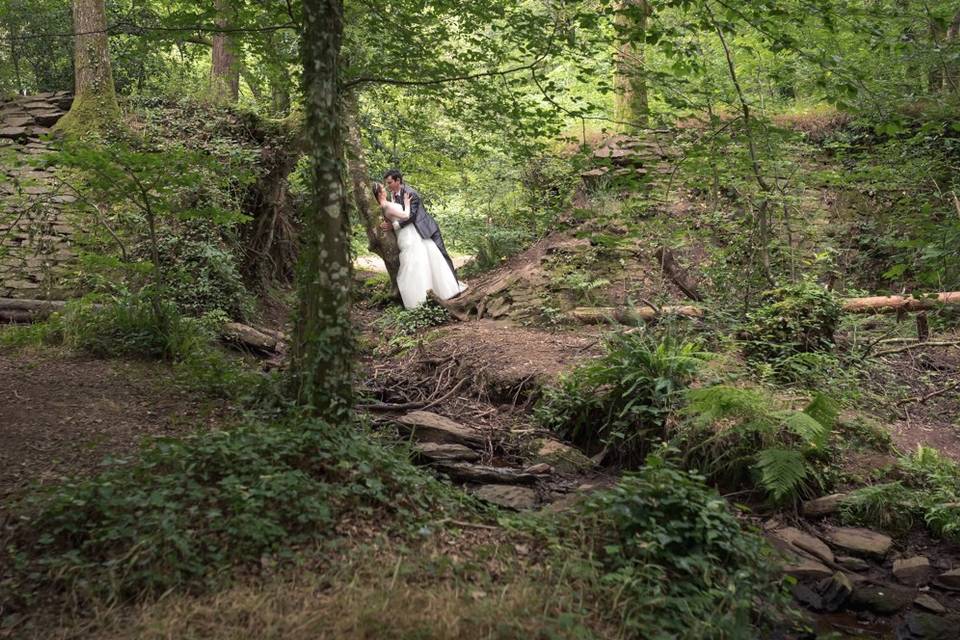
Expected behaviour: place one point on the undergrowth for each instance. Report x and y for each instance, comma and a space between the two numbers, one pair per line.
185, 511
620, 403
928, 491
667, 559
144, 325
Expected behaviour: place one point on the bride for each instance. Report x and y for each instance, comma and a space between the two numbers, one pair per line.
422, 265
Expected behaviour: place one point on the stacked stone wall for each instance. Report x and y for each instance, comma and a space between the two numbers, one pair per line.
36, 237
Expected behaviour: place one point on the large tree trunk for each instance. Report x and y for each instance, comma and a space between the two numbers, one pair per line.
224, 64
382, 243
95, 108
631, 110
323, 341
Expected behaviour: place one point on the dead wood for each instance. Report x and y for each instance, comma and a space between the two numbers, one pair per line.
630, 315
673, 271
894, 304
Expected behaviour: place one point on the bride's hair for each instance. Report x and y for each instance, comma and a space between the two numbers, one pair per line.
377, 190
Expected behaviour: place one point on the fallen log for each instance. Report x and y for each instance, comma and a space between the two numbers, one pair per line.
896, 304
673, 271
630, 315
873, 304
263, 341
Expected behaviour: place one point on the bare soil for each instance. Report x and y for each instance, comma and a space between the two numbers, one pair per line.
61, 414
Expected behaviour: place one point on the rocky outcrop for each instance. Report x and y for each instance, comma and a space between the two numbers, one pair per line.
36, 246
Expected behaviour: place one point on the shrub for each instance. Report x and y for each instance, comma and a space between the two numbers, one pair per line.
798, 318
890, 506
679, 562
408, 322
620, 403
188, 509
737, 436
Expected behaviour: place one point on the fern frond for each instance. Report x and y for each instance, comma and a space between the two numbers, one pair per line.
810, 430
723, 401
782, 471
824, 410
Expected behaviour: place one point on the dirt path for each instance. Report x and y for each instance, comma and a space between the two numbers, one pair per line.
62, 413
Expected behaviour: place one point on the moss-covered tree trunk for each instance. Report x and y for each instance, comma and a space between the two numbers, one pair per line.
631, 110
382, 243
323, 342
95, 108
224, 62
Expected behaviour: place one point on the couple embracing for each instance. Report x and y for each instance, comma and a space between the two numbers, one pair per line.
424, 262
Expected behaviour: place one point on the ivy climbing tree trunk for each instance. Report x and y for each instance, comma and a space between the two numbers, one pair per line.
224, 62
321, 363
95, 108
631, 110
382, 243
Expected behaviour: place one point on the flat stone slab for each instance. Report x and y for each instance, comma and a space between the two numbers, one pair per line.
924, 626
449, 452
430, 427
928, 602
808, 570
509, 496
13, 132
860, 541
949, 580
804, 542
822, 506
913, 571
853, 564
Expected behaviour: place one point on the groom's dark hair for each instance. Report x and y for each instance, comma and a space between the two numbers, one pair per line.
395, 174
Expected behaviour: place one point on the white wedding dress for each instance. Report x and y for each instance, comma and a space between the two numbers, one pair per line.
422, 266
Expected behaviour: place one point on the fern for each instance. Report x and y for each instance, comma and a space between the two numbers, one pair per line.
782, 471
813, 433
824, 410
723, 401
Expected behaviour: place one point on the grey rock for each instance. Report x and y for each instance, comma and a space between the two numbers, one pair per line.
884, 600
949, 580
924, 626
539, 469
430, 427
807, 597
48, 118
822, 506
433, 451
928, 602
804, 569
913, 571
804, 542
860, 541
509, 496
560, 456
853, 564
484, 475
15, 133
835, 591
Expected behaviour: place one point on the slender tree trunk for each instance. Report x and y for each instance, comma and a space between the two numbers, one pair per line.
951, 78
382, 243
224, 64
95, 108
322, 354
935, 74
631, 110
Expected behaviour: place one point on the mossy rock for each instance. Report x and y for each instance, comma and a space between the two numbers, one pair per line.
562, 457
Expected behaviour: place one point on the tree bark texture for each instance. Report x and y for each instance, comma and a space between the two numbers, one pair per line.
224, 62
95, 108
321, 365
631, 107
383, 243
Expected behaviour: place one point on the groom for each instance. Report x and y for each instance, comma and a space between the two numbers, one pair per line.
424, 223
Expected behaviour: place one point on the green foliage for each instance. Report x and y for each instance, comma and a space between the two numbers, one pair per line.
678, 562
890, 506
737, 436
864, 431
621, 403
409, 322
794, 319
200, 273
186, 510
